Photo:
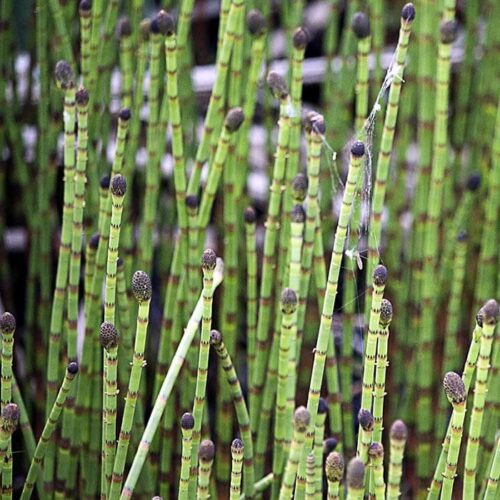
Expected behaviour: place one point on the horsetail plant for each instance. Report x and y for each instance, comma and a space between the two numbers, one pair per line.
142, 290
334, 471
166, 387
398, 436
206, 455
237, 449
48, 430
208, 263
355, 479
324, 334
494, 474
454, 389
490, 316
240, 408
301, 421
376, 455
187, 425
319, 434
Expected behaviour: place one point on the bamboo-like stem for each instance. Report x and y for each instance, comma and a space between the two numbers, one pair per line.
237, 450
467, 374
324, 334
430, 248
187, 425
387, 140
319, 434
288, 324
278, 87
206, 458
454, 389
381, 368
490, 316
301, 421
166, 389
365, 419
240, 408
48, 430
142, 290
376, 455
398, 437
208, 262
494, 475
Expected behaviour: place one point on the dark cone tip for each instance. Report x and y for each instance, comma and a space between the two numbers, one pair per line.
318, 124
329, 445
298, 214
277, 85
408, 12
64, 74
355, 473
124, 114
365, 419
94, 241
448, 31
104, 182
256, 23
360, 25
358, 149
490, 312
454, 388
82, 97
479, 318
300, 38
462, 235
234, 119
399, 431
108, 335
250, 215
145, 29
7, 323
376, 450
288, 301
385, 312
237, 445
208, 260
301, 418
207, 450
164, 23
380, 275
215, 337
119, 262
308, 116
187, 421
73, 368
334, 466
474, 181
124, 27
118, 185
141, 286
192, 201
85, 5
322, 406
11, 412
299, 187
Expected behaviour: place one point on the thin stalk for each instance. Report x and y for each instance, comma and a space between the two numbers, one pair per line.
494, 475
206, 455
142, 290
398, 437
325, 327
301, 421
376, 454
208, 262
187, 425
237, 450
166, 389
240, 408
278, 87
490, 314
48, 430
